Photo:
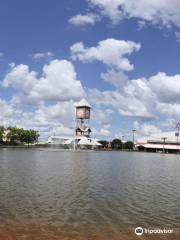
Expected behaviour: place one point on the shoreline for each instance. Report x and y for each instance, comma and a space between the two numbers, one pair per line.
80, 150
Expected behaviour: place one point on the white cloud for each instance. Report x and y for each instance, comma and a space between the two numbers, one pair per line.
114, 77
177, 34
169, 109
145, 98
54, 92
6, 110
58, 82
110, 52
145, 129
125, 104
20, 78
102, 116
45, 55
141, 24
82, 20
8, 113
53, 95
47, 119
163, 12
105, 132
166, 88
108, 8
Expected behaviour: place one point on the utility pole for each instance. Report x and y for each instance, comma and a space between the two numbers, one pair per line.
74, 142
177, 135
164, 140
122, 141
133, 131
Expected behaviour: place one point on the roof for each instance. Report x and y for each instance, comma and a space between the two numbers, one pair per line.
160, 146
170, 137
83, 103
68, 142
87, 141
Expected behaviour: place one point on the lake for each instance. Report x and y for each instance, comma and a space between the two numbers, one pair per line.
53, 194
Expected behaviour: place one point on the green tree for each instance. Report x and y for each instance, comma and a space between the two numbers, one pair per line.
29, 136
1, 133
20, 136
14, 134
116, 144
104, 143
128, 145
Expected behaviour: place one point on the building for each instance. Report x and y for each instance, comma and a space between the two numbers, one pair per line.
59, 140
168, 142
82, 131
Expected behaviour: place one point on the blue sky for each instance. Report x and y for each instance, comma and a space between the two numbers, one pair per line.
123, 56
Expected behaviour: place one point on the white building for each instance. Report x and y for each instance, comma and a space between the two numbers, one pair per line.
82, 142
166, 141
58, 140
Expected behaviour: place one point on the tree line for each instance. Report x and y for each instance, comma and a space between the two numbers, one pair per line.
17, 136
117, 144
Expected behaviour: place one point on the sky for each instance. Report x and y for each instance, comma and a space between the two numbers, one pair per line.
123, 56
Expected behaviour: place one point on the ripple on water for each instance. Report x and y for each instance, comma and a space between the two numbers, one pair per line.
86, 194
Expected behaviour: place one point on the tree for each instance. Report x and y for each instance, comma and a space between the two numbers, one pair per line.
116, 144
19, 135
14, 134
1, 133
104, 143
29, 136
128, 145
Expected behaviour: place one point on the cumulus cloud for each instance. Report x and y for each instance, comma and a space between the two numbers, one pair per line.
169, 109
124, 104
163, 12
52, 94
58, 77
110, 52
82, 20
51, 119
6, 111
114, 77
21, 78
166, 88
145, 98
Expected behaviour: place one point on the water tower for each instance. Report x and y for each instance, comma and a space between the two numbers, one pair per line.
83, 112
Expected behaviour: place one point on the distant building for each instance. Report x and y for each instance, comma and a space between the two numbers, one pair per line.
161, 142
58, 140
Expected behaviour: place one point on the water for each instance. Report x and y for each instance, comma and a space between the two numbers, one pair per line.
52, 194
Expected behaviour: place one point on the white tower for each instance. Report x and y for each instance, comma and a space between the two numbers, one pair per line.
82, 129
83, 112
